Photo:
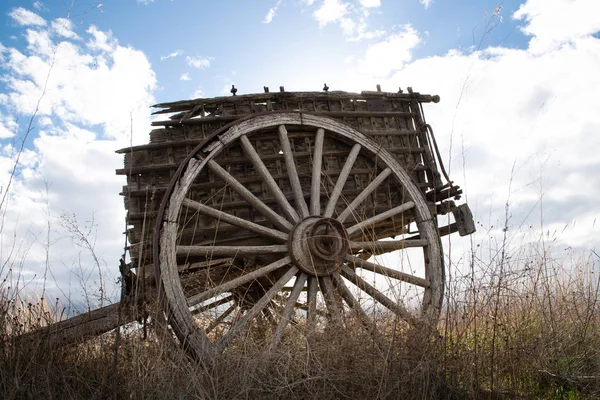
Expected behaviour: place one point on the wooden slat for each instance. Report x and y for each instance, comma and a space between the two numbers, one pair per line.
390, 273
302, 96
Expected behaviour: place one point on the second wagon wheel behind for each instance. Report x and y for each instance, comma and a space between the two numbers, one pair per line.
287, 221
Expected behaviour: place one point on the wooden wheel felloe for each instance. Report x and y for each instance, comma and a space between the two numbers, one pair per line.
293, 221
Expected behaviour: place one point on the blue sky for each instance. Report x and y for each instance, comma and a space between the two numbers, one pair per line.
518, 119
242, 48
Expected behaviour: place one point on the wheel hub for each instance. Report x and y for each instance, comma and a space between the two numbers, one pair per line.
318, 245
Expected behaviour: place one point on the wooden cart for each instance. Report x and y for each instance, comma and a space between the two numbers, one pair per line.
289, 212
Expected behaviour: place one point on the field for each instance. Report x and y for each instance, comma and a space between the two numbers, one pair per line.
522, 324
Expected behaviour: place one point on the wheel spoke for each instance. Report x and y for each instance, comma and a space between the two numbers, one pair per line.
212, 305
390, 273
289, 308
353, 303
364, 194
380, 217
391, 305
209, 251
237, 281
220, 318
311, 317
290, 165
334, 311
267, 178
254, 201
256, 309
339, 185
236, 221
377, 247
315, 191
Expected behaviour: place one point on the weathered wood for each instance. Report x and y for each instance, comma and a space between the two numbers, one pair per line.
231, 219
222, 288
239, 172
354, 304
291, 170
194, 142
264, 173
381, 298
220, 318
315, 190
83, 326
390, 273
385, 246
358, 151
277, 220
288, 309
331, 114
235, 330
304, 96
339, 185
312, 302
234, 251
169, 167
333, 310
371, 222
364, 194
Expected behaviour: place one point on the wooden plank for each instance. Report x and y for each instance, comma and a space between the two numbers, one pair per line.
364, 194
385, 271
272, 186
370, 222
315, 191
195, 142
256, 309
381, 298
301, 96
341, 181
292, 173
233, 220
288, 309
84, 326
233, 251
330, 114
224, 287
254, 201
386, 246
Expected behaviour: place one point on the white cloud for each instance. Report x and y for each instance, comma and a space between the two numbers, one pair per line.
145, 2
185, 77
271, 13
331, 11
8, 126
198, 62
176, 53
426, 3
63, 27
391, 54
38, 5
555, 22
100, 40
351, 19
370, 3
534, 108
198, 94
25, 17
95, 90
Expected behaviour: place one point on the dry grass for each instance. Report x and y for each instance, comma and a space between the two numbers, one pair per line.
519, 326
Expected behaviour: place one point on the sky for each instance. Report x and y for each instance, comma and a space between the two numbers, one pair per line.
518, 122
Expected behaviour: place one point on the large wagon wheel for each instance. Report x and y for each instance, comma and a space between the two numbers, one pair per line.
283, 222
